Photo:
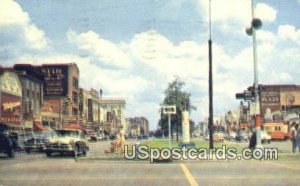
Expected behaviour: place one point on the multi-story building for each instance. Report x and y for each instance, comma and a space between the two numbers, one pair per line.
112, 114
137, 126
89, 107
278, 101
10, 98
61, 93
32, 92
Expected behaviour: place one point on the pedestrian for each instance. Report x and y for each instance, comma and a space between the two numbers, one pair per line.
298, 136
121, 140
252, 142
293, 137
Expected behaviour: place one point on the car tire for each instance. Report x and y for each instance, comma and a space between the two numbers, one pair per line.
48, 154
27, 150
11, 152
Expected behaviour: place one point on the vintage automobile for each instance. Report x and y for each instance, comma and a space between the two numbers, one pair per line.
8, 144
72, 141
218, 137
265, 137
37, 142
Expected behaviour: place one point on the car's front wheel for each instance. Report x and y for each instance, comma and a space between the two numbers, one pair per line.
48, 154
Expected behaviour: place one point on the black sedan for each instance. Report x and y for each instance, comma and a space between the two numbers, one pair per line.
37, 142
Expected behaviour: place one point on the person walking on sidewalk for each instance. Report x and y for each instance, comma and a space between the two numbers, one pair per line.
294, 135
298, 136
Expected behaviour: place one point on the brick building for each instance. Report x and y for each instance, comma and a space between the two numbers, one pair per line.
61, 93
278, 101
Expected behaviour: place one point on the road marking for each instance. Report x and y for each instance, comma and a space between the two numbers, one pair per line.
91, 178
188, 175
144, 177
282, 165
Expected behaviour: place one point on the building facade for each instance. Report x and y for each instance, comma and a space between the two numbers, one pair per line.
61, 93
89, 106
112, 114
32, 92
10, 97
278, 101
137, 126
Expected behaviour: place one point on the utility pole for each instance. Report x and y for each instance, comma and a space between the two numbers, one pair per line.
210, 82
255, 25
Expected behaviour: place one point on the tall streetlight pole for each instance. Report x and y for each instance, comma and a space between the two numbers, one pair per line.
210, 82
255, 25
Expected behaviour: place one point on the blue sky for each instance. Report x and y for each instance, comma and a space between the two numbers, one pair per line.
132, 49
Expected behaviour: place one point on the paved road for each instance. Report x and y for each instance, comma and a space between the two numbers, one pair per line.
37, 169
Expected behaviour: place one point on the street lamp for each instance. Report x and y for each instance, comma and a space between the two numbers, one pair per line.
210, 84
251, 31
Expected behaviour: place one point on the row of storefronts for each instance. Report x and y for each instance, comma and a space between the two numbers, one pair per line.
49, 95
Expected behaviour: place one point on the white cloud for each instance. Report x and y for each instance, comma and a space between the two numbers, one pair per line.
265, 12
103, 50
183, 60
17, 29
289, 32
235, 14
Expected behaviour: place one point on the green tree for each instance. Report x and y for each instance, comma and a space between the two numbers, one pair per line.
175, 95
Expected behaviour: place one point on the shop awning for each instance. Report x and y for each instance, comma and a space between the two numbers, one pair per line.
73, 126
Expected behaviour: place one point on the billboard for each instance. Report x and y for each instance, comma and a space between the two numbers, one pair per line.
290, 98
270, 100
56, 80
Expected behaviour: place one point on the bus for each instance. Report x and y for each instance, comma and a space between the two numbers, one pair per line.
277, 130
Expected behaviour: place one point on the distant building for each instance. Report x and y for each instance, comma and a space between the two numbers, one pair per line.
89, 107
112, 114
137, 126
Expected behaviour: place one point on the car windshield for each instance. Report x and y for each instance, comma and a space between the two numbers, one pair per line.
67, 133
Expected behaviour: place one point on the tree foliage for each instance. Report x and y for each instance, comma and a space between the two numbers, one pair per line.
175, 95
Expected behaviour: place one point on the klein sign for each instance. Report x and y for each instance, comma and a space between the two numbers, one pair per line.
56, 80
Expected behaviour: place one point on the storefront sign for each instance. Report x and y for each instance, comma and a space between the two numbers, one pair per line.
56, 80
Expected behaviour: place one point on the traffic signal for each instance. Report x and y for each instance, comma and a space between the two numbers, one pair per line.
246, 95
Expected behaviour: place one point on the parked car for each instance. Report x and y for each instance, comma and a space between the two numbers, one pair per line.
37, 142
231, 135
265, 137
63, 141
96, 137
242, 137
8, 144
218, 137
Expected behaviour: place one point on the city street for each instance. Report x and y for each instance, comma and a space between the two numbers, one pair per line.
37, 169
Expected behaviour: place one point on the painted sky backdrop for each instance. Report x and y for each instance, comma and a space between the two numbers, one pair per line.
131, 49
